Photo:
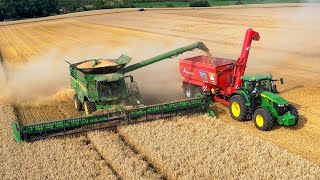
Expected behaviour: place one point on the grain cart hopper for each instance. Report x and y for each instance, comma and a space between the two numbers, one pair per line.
248, 97
102, 84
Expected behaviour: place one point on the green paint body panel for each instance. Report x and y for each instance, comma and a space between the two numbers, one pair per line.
245, 95
273, 97
267, 99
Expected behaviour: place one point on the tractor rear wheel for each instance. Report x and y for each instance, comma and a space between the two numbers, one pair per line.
293, 110
189, 90
89, 107
77, 103
263, 119
237, 107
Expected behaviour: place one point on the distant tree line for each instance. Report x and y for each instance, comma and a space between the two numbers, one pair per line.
17, 9
22, 9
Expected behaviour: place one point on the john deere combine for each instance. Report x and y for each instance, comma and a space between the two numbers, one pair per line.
102, 84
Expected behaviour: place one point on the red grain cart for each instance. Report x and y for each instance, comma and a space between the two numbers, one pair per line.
218, 76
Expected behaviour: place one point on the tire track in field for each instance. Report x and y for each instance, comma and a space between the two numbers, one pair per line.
94, 148
156, 169
88, 142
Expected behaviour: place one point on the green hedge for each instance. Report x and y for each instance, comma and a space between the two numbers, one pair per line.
199, 3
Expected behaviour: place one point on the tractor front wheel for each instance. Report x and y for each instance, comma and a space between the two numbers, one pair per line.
237, 107
77, 103
263, 119
293, 110
89, 107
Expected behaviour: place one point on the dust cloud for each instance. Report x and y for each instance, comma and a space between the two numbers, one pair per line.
46, 80
290, 41
35, 80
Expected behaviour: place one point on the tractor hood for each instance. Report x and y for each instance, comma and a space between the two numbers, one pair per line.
273, 97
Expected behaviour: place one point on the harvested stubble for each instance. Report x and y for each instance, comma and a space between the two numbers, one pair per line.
199, 147
68, 158
42, 113
123, 160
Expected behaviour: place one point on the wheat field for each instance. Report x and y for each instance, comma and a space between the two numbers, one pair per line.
35, 87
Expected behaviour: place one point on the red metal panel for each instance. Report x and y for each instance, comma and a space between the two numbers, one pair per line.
198, 71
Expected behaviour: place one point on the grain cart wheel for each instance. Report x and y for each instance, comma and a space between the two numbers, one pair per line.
198, 91
293, 110
189, 90
263, 119
77, 103
237, 107
89, 107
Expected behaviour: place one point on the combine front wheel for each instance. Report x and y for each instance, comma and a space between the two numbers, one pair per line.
89, 107
77, 103
237, 107
263, 119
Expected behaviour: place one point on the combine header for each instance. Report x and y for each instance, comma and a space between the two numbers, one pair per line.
102, 86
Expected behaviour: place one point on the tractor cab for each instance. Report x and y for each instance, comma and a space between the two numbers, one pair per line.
258, 83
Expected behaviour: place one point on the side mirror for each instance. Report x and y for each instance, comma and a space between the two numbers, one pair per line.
281, 80
274, 89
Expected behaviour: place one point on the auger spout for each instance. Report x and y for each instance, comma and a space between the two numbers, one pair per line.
170, 54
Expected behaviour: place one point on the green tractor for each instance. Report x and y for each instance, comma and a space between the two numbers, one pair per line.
257, 99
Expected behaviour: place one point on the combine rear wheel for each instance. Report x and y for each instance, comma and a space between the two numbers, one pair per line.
263, 119
89, 107
237, 107
293, 110
198, 92
77, 103
189, 90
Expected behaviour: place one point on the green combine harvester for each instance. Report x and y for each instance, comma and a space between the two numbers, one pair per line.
103, 84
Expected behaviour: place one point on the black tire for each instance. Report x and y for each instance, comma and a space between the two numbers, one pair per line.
89, 107
189, 90
77, 103
197, 90
263, 119
238, 110
293, 110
